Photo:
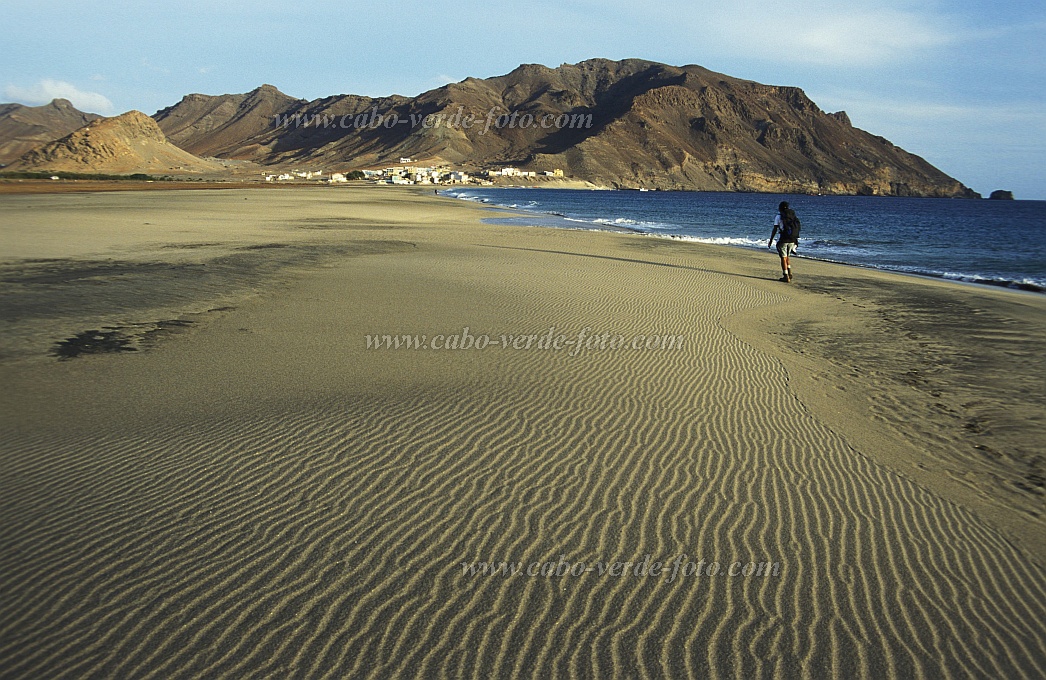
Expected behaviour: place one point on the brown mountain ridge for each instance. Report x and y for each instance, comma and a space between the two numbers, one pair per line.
223, 125
651, 125
129, 143
24, 128
626, 124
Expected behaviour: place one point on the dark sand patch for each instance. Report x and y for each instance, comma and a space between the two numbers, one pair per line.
117, 339
927, 363
49, 298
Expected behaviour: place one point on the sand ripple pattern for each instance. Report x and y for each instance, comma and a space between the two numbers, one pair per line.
329, 542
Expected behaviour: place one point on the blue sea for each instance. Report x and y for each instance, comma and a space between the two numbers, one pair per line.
1001, 243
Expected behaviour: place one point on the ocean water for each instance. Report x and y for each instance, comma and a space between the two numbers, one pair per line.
1000, 243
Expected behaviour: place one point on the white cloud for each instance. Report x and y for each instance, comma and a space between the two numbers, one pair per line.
832, 34
928, 111
149, 66
866, 38
47, 89
443, 79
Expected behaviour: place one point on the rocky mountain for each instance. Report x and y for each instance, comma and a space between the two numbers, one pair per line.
129, 143
630, 123
224, 125
247, 126
24, 128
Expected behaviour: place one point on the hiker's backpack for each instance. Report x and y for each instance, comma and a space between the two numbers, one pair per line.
790, 225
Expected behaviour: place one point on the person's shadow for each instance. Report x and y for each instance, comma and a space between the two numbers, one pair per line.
629, 260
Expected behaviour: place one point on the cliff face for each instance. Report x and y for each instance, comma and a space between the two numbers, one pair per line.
128, 143
690, 128
24, 128
624, 123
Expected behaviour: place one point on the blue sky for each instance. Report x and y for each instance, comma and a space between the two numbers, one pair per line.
960, 83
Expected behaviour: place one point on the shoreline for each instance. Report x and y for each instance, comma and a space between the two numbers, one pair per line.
242, 490
12, 186
596, 225
1021, 288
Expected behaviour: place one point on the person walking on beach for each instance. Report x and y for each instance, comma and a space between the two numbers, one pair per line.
787, 224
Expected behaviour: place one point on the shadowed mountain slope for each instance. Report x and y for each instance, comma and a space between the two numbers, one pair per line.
24, 128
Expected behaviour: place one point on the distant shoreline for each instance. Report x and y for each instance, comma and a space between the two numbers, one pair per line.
43, 186
550, 219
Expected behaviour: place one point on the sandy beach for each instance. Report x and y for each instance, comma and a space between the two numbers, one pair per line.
209, 473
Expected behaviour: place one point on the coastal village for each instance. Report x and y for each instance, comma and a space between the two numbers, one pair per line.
408, 173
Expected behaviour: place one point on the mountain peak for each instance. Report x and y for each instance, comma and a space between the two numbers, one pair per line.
24, 128
130, 142
625, 123
267, 91
132, 125
215, 125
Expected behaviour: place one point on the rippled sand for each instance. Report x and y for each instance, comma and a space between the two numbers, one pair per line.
236, 486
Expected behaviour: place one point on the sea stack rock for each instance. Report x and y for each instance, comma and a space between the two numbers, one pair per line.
1001, 195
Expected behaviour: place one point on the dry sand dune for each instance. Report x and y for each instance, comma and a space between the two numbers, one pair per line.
260, 495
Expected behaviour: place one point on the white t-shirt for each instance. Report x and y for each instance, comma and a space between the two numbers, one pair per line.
777, 221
